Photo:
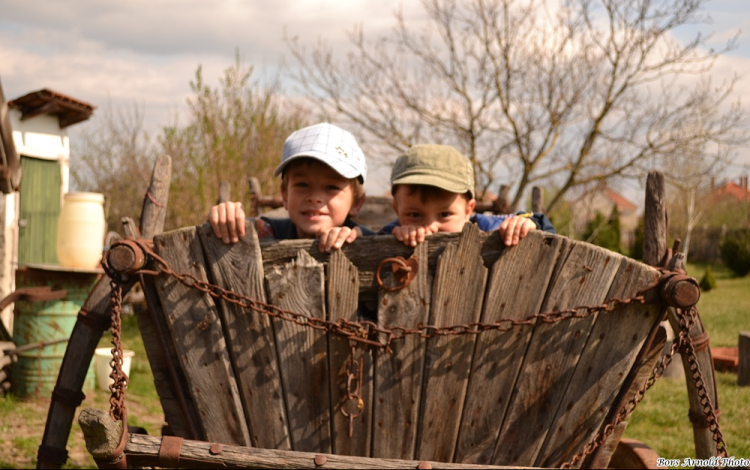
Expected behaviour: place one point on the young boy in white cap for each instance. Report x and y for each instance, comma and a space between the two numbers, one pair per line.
322, 175
433, 191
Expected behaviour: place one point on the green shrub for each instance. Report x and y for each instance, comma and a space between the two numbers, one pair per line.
708, 281
735, 252
604, 231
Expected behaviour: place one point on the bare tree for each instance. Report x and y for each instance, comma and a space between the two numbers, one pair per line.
562, 95
235, 131
114, 155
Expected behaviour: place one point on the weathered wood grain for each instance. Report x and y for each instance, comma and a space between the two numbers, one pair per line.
515, 291
457, 295
199, 341
299, 287
583, 277
342, 294
238, 267
143, 450
611, 350
398, 374
642, 371
170, 382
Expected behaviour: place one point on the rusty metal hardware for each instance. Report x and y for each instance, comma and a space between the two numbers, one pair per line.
404, 270
353, 392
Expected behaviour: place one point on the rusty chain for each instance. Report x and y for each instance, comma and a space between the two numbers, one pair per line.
360, 332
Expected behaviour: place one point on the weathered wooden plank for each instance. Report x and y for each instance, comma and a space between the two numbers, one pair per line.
398, 374
366, 254
609, 355
515, 291
342, 294
143, 450
582, 277
642, 370
299, 287
458, 291
238, 267
171, 385
199, 340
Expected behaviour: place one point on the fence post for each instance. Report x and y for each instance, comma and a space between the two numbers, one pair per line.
537, 200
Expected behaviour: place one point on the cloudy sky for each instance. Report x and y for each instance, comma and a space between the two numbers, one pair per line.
145, 52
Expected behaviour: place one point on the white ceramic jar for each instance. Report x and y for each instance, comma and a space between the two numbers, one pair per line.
80, 231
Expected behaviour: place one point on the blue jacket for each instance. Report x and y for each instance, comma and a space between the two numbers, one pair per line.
488, 223
284, 229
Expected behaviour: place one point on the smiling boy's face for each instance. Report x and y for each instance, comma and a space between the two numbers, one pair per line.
317, 197
428, 206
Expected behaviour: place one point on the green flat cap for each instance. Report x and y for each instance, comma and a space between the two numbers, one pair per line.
442, 166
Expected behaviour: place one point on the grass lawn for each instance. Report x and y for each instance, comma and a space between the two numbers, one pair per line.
661, 419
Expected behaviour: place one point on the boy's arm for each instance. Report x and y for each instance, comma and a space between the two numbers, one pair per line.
335, 237
541, 221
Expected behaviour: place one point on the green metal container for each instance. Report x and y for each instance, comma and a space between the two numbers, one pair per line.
35, 372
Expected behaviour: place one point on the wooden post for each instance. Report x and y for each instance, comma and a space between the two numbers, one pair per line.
743, 370
224, 190
537, 200
655, 220
501, 204
255, 195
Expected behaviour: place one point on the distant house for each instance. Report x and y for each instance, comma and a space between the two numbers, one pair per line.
604, 199
732, 190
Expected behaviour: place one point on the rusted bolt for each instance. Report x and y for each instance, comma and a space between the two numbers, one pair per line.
425, 465
680, 291
216, 449
126, 257
320, 460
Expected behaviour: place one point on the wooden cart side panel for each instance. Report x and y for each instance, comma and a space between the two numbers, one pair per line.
398, 374
515, 291
608, 357
238, 267
202, 352
448, 359
299, 287
583, 277
343, 302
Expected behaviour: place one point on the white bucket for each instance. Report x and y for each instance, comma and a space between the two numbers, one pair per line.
103, 356
80, 230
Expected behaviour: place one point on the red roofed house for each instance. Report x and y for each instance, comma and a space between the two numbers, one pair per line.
732, 190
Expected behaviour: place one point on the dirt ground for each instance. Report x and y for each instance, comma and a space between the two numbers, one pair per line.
22, 423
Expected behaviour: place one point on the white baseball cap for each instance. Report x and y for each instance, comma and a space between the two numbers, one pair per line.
330, 144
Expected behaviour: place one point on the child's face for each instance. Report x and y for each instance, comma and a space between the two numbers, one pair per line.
317, 198
441, 212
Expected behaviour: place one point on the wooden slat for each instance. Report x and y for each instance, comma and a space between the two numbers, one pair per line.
343, 302
299, 287
238, 267
582, 277
515, 292
169, 381
202, 352
398, 374
458, 291
613, 346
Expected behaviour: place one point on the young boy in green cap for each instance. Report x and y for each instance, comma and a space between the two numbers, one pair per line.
322, 175
433, 191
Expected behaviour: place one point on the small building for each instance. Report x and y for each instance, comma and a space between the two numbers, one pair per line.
30, 209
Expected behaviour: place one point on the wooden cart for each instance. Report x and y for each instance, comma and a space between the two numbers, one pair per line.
458, 352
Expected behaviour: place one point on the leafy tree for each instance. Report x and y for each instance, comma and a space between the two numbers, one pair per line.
235, 131
558, 96
708, 281
638, 238
735, 251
